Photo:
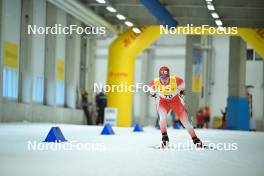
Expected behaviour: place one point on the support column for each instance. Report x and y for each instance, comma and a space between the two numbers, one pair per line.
38, 52
237, 102
73, 49
192, 98
90, 65
1, 61
87, 68
32, 51
262, 128
144, 100
10, 46
207, 69
25, 80
50, 62
148, 71
83, 64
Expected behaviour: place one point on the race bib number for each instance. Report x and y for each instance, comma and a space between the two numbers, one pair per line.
168, 96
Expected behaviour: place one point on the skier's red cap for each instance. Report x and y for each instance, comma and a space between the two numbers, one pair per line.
164, 72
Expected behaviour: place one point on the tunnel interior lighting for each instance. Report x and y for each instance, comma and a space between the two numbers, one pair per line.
120, 17
218, 22
111, 9
214, 15
136, 30
101, 1
210, 7
128, 23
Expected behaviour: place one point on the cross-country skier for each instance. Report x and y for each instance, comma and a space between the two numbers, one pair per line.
169, 89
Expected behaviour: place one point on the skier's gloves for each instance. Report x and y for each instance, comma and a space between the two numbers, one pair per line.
154, 95
182, 92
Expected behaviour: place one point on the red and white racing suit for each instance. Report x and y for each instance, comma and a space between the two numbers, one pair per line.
170, 100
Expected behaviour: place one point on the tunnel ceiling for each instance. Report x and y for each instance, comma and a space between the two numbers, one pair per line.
241, 13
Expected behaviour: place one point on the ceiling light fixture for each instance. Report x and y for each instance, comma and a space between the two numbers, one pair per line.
101, 1
128, 23
218, 22
111, 9
214, 15
210, 6
120, 17
136, 30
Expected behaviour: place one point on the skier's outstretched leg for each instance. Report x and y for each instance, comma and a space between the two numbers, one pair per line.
162, 110
182, 114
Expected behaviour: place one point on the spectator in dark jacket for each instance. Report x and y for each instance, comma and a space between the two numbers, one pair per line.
100, 104
85, 107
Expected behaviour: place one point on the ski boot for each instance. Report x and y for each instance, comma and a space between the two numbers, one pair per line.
197, 142
165, 140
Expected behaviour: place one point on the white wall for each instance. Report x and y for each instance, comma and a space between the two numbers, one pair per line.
219, 87
101, 70
101, 60
138, 79
254, 76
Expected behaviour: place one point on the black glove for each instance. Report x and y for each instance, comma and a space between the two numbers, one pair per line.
154, 95
182, 92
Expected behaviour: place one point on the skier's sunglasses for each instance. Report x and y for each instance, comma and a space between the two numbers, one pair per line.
164, 72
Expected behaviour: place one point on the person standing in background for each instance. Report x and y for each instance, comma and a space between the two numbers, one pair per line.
100, 105
224, 115
250, 100
206, 116
85, 107
249, 95
199, 119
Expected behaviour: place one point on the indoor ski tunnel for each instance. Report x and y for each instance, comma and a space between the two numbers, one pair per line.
131, 87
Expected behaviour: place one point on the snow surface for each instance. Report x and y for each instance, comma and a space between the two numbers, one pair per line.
127, 153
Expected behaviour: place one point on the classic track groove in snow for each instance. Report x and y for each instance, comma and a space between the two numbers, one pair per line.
127, 153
